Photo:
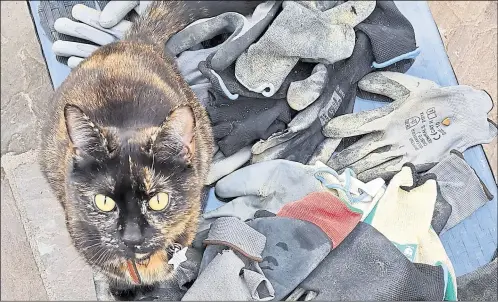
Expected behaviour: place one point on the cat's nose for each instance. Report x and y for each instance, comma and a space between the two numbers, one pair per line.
132, 235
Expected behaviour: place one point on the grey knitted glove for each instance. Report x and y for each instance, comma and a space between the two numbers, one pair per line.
266, 64
222, 165
229, 269
303, 140
302, 93
421, 126
243, 31
479, 285
460, 187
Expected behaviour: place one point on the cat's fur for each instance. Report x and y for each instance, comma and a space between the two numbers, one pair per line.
127, 125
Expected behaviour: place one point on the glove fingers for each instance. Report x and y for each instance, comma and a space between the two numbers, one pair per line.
72, 62
205, 29
276, 126
115, 11
303, 154
303, 93
296, 294
272, 153
91, 17
350, 13
324, 151
395, 85
250, 129
142, 6
307, 116
301, 121
373, 159
383, 171
82, 31
273, 141
300, 148
357, 123
247, 181
69, 49
304, 146
356, 151
243, 208
222, 165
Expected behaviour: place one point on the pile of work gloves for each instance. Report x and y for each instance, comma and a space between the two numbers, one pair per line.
308, 200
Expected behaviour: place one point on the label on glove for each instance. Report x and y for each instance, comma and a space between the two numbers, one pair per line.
424, 128
408, 250
330, 108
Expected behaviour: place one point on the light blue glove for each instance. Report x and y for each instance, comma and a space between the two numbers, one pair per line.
271, 184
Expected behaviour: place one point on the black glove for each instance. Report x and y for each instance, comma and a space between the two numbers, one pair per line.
239, 123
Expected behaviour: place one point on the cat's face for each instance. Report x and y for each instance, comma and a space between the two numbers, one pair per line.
128, 189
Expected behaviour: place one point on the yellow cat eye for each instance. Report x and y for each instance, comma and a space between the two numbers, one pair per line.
104, 203
159, 202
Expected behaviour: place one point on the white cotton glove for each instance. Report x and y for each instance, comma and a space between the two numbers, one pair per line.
116, 11
97, 27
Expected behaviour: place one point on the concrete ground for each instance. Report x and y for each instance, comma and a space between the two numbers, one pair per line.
468, 30
37, 258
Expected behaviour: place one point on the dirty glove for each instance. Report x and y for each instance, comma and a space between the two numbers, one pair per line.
266, 186
302, 93
293, 249
404, 215
229, 270
265, 64
222, 165
460, 187
479, 285
116, 11
225, 82
367, 267
421, 126
304, 133
385, 26
239, 123
270, 185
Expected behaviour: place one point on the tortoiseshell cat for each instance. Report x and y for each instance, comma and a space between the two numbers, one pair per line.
127, 150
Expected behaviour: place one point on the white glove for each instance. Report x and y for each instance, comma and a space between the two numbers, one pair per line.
97, 27
115, 11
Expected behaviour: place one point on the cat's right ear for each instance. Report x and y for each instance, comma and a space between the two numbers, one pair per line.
87, 138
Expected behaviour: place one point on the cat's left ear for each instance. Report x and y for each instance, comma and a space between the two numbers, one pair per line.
180, 125
85, 135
